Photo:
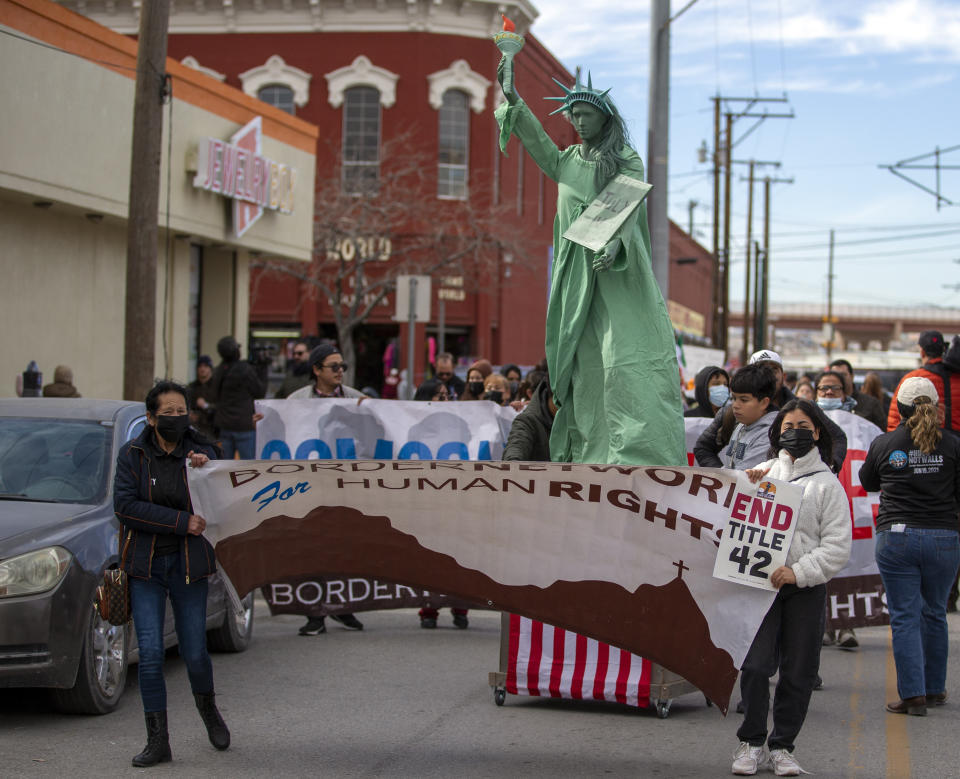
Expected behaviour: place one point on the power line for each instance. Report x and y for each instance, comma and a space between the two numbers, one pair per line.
864, 229
861, 241
951, 248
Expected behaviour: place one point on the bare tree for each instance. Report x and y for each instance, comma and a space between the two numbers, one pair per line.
395, 226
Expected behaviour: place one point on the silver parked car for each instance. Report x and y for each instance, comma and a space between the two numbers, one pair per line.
58, 534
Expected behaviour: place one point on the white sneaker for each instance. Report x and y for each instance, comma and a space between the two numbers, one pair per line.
746, 759
784, 763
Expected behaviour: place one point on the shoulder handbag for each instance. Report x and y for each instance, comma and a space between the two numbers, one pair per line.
113, 595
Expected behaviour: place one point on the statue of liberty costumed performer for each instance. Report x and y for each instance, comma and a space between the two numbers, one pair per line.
610, 344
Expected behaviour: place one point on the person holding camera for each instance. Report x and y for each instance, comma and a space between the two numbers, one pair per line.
236, 384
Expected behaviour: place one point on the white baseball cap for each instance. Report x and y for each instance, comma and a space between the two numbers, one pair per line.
916, 387
765, 355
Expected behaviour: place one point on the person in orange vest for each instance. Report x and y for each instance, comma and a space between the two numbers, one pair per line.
943, 371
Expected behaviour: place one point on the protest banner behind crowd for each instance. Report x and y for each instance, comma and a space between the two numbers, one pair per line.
374, 429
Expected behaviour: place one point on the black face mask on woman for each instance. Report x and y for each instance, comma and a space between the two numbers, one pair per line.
476, 388
171, 427
797, 441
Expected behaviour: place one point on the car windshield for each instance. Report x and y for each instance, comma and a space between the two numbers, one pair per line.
53, 460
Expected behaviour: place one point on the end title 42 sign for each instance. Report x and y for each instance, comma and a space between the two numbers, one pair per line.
758, 532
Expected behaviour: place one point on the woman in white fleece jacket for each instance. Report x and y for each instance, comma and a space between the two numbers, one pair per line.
790, 635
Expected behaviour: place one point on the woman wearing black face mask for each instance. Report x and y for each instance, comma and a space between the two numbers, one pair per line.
497, 389
476, 376
165, 554
790, 635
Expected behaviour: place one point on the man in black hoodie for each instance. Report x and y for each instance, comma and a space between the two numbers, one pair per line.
236, 384
529, 438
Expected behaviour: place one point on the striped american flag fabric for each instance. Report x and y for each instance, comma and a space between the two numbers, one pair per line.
547, 661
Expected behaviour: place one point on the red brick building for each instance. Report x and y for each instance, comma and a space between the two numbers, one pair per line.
366, 73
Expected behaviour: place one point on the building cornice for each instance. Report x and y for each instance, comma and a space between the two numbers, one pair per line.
470, 18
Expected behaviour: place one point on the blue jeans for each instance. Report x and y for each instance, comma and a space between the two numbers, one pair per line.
148, 602
242, 441
917, 567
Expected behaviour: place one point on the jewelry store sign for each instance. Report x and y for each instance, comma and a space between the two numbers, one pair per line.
238, 170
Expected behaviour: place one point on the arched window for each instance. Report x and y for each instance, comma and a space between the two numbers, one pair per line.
361, 139
454, 148
278, 95
277, 83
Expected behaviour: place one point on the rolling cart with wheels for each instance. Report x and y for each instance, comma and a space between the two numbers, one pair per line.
538, 659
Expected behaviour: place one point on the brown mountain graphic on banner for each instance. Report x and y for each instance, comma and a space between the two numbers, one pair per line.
661, 623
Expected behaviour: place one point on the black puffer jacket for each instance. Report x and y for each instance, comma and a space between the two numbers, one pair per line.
917, 489
143, 520
529, 438
236, 384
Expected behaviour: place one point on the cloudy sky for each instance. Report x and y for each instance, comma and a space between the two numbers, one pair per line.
870, 82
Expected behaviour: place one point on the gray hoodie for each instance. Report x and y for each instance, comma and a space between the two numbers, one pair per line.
749, 444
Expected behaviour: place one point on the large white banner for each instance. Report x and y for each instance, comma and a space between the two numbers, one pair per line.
372, 430
369, 429
388, 429
855, 596
617, 553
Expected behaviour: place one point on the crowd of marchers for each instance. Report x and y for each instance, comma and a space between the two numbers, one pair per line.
764, 420
771, 423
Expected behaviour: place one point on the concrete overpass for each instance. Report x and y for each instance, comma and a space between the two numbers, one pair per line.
891, 326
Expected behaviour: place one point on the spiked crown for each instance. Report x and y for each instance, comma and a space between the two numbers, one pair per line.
579, 93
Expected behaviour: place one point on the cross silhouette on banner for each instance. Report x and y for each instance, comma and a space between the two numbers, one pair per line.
681, 568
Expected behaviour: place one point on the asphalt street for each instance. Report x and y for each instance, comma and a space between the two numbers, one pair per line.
398, 701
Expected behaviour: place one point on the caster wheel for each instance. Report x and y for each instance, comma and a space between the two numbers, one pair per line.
708, 702
499, 696
663, 709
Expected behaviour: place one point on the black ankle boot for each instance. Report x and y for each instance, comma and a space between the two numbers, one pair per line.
216, 728
157, 749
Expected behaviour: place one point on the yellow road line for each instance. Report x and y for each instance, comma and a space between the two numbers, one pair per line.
855, 765
898, 740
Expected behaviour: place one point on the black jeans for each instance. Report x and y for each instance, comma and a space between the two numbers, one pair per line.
789, 640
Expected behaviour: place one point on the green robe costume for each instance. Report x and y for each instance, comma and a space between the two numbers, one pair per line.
610, 345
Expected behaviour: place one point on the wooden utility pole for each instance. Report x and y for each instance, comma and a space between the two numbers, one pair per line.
830, 328
727, 174
723, 156
752, 164
765, 309
762, 303
719, 280
658, 129
140, 320
758, 265
745, 353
